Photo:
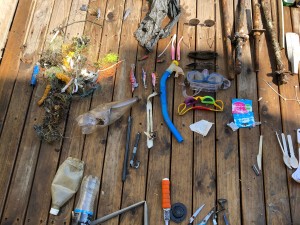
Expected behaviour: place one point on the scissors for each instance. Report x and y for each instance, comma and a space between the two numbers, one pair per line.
195, 214
191, 102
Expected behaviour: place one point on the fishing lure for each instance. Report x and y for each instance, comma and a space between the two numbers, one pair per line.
160, 60
126, 14
144, 77
98, 13
178, 48
143, 58
133, 82
153, 76
196, 65
173, 47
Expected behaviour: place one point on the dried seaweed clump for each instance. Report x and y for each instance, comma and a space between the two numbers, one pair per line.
67, 73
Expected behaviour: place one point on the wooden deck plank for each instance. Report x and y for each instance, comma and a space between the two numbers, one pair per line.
34, 45
160, 154
218, 159
9, 66
204, 174
39, 204
290, 117
273, 168
182, 153
7, 9
73, 144
111, 168
13, 123
134, 188
252, 192
227, 151
295, 20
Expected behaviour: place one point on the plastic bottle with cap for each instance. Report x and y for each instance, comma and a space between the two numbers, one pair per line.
66, 183
84, 210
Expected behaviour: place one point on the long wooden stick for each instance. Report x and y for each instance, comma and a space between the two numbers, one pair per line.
239, 37
281, 72
256, 32
227, 31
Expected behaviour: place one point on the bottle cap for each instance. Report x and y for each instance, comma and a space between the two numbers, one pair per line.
54, 211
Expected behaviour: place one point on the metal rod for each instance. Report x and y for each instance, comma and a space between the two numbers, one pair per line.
125, 169
121, 211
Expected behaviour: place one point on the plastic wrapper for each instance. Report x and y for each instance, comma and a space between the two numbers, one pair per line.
104, 115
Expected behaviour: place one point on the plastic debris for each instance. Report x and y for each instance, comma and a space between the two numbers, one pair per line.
84, 8
132, 78
242, 113
126, 14
201, 127
204, 81
36, 70
104, 115
233, 126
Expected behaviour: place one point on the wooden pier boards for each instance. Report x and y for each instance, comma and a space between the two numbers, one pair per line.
201, 169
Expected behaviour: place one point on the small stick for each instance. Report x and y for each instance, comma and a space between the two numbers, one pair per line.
29, 22
277, 135
227, 30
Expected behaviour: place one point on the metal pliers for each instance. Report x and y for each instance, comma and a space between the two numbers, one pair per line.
206, 218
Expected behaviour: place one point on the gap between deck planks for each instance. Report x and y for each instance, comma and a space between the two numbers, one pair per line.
196, 176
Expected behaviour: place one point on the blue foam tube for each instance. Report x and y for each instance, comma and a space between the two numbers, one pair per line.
164, 105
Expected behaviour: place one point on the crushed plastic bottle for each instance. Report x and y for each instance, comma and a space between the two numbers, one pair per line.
66, 183
104, 115
84, 210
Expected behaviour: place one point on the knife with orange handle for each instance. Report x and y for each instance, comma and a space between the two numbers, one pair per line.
166, 201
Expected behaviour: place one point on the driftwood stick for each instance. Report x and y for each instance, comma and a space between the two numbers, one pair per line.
227, 32
281, 72
256, 32
239, 37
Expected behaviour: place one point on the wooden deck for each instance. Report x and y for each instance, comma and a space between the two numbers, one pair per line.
201, 169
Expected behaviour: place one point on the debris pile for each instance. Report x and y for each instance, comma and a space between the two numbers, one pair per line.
68, 73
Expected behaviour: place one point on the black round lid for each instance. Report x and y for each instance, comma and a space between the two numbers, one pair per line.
178, 212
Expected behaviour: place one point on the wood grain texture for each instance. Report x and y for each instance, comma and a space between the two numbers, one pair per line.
295, 13
252, 192
9, 66
227, 149
182, 153
74, 142
40, 201
36, 39
14, 121
7, 9
111, 185
273, 168
290, 116
201, 169
160, 154
129, 50
204, 175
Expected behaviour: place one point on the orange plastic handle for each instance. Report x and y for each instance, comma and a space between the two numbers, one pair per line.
166, 201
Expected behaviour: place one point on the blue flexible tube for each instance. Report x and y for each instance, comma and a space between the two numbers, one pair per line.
164, 104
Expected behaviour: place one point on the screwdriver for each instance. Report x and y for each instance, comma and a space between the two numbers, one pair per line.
166, 202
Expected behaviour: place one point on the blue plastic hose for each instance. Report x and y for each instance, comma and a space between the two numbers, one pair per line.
164, 104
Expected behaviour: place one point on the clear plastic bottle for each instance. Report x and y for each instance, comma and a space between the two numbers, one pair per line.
83, 213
